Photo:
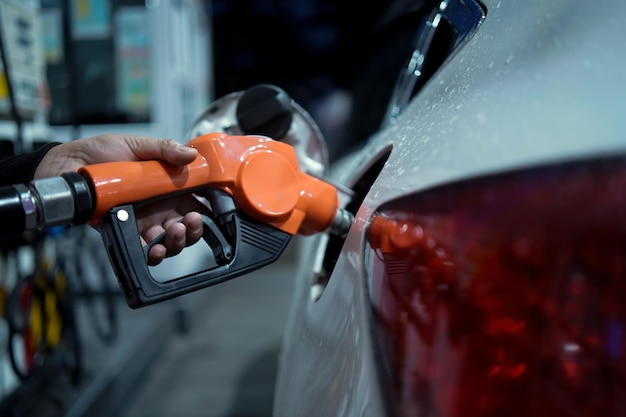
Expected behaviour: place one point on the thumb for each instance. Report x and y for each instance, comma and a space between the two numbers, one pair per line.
168, 150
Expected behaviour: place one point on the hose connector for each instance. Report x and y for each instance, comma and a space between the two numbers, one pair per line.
62, 200
55, 202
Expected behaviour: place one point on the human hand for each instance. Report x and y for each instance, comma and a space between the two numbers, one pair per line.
154, 219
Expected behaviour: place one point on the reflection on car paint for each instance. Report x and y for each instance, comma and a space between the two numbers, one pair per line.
447, 27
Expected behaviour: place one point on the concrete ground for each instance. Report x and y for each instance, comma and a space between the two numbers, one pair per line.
224, 365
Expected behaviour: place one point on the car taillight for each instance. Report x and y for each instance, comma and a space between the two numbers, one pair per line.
505, 296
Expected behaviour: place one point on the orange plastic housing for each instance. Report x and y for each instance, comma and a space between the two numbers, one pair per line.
262, 175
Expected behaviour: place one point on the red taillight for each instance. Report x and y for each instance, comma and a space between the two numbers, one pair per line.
505, 296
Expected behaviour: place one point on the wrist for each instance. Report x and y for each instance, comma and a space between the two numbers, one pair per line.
49, 161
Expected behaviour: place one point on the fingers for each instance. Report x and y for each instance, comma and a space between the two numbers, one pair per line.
177, 237
156, 254
179, 154
167, 150
165, 216
72, 155
193, 222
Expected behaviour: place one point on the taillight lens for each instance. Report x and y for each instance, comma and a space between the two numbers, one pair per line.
505, 296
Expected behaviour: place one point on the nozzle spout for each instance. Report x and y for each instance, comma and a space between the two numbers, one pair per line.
341, 223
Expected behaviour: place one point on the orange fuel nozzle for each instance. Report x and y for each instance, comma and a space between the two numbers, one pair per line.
262, 175
259, 199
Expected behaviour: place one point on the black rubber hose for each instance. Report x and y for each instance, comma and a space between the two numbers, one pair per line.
56, 201
11, 211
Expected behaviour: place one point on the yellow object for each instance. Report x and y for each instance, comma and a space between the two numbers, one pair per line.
4, 88
51, 313
84, 8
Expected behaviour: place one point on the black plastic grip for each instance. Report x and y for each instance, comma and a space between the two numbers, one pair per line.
257, 245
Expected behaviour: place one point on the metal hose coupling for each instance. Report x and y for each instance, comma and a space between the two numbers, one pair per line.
59, 201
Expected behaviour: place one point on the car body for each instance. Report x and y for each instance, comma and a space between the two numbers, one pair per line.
524, 110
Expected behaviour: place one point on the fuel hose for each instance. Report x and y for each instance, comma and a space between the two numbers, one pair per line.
44, 203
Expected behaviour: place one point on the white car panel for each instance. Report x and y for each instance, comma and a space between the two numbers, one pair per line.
540, 81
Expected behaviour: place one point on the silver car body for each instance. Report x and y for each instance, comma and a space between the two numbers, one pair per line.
540, 81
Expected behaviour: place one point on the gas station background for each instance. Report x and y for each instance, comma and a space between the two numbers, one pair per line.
80, 68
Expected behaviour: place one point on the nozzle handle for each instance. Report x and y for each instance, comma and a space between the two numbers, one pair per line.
257, 245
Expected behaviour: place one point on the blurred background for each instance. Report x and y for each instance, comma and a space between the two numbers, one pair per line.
69, 344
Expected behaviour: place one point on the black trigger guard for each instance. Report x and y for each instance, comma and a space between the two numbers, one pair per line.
257, 244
